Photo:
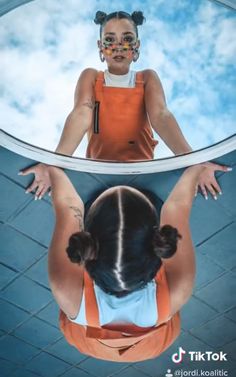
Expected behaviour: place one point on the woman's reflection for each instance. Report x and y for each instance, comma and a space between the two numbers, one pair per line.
119, 108
122, 272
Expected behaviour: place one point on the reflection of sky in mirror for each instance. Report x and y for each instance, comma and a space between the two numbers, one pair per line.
46, 44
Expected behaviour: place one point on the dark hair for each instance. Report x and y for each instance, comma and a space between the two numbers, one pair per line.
101, 18
122, 244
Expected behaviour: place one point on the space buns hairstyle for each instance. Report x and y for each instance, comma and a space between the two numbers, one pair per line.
82, 248
100, 17
165, 241
137, 18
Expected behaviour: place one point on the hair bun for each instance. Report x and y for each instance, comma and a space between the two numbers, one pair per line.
100, 17
138, 17
165, 241
82, 248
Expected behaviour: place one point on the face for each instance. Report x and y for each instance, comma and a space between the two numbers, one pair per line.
118, 42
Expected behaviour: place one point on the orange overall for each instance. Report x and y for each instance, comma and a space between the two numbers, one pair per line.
129, 343
121, 130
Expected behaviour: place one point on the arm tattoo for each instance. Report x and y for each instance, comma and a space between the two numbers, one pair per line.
78, 216
89, 104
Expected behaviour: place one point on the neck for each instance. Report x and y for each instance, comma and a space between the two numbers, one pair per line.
117, 71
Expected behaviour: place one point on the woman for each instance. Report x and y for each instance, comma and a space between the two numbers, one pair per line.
126, 273
118, 108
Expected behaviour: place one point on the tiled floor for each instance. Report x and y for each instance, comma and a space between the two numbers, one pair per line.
30, 341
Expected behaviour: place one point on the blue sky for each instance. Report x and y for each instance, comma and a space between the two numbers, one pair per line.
46, 44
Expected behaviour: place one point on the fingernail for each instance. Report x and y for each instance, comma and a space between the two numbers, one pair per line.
229, 169
206, 197
215, 197
40, 197
20, 173
220, 193
35, 198
26, 192
49, 194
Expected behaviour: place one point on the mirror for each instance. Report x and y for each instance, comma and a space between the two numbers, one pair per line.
46, 45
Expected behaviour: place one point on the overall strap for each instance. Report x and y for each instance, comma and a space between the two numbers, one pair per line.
91, 307
100, 81
139, 81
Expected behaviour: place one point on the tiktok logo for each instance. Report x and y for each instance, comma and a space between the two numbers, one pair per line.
178, 356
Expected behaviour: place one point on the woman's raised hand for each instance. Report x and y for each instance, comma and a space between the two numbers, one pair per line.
41, 183
207, 181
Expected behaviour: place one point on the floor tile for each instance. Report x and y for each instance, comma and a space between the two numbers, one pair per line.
23, 373
6, 275
230, 349
39, 271
114, 180
101, 368
47, 365
189, 343
11, 316
82, 181
231, 314
16, 250
155, 367
207, 368
28, 221
15, 350
37, 332
216, 332
227, 159
221, 247
130, 372
27, 294
228, 201
161, 184
2, 333
195, 313
206, 270
75, 372
50, 313
66, 352
11, 163
203, 211
6, 368
220, 294
8, 189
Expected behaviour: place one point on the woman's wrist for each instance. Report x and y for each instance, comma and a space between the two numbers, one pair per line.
195, 170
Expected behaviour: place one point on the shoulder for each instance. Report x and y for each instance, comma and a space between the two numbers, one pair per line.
150, 75
86, 84
89, 74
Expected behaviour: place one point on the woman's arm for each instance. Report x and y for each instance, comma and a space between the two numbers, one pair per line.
66, 278
77, 124
80, 119
165, 124
180, 268
161, 119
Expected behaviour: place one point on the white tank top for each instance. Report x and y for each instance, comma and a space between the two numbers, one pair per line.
120, 81
138, 308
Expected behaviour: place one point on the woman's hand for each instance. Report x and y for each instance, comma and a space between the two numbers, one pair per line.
41, 182
207, 181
